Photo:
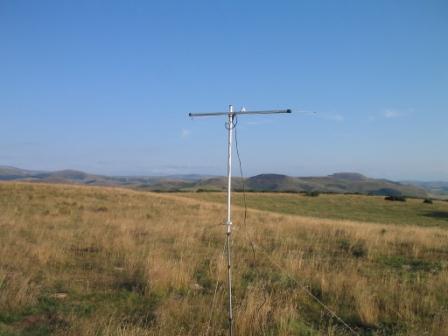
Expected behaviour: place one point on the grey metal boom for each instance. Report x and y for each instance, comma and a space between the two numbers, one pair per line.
213, 114
230, 125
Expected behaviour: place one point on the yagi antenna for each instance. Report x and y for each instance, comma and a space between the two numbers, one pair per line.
230, 125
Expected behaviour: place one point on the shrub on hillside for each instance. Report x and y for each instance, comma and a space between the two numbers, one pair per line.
386, 192
201, 190
359, 249
313, 193
395, 198
427, 201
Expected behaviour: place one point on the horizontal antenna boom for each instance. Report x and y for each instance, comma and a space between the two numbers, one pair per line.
212, 114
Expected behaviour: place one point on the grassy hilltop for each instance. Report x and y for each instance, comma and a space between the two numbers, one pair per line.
78, 260
342, 207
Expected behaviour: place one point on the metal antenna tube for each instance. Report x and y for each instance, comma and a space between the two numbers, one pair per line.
230, 125
214, 114
229, 215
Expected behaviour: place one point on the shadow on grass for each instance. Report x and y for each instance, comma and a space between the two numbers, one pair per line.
437, 214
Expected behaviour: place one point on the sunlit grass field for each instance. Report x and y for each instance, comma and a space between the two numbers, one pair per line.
78, 260
343, 207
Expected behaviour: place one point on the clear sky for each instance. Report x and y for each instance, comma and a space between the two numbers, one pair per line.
105, 86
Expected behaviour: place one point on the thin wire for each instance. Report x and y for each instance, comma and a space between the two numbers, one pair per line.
241, 169
245, 215
301, 286
307, 291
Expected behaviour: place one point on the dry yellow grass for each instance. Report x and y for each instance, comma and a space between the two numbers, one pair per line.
101, 261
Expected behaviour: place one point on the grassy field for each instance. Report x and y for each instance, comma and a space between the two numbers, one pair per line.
100, 261
342, 207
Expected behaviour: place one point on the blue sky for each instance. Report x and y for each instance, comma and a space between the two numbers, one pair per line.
106, 86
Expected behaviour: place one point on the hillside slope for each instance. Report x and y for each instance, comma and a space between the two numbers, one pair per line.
336, 183
114, 261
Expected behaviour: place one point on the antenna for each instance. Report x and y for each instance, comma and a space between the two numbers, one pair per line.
229, 126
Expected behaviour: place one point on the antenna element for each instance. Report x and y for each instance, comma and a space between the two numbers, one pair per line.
229, 126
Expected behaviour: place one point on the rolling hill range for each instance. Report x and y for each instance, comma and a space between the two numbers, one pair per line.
79, 177
343, 183
436, 189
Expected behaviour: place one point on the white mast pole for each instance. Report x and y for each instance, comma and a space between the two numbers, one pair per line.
229, 215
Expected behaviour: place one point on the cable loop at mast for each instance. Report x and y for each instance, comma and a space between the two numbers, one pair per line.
234, 123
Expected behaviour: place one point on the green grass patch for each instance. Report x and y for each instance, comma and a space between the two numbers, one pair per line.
399, 262
341, 207
50, 314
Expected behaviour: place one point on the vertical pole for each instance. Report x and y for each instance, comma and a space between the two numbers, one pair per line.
229, 214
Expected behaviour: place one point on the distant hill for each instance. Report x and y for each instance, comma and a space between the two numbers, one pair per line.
436, 189
335, 183
12, 173
163, 183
